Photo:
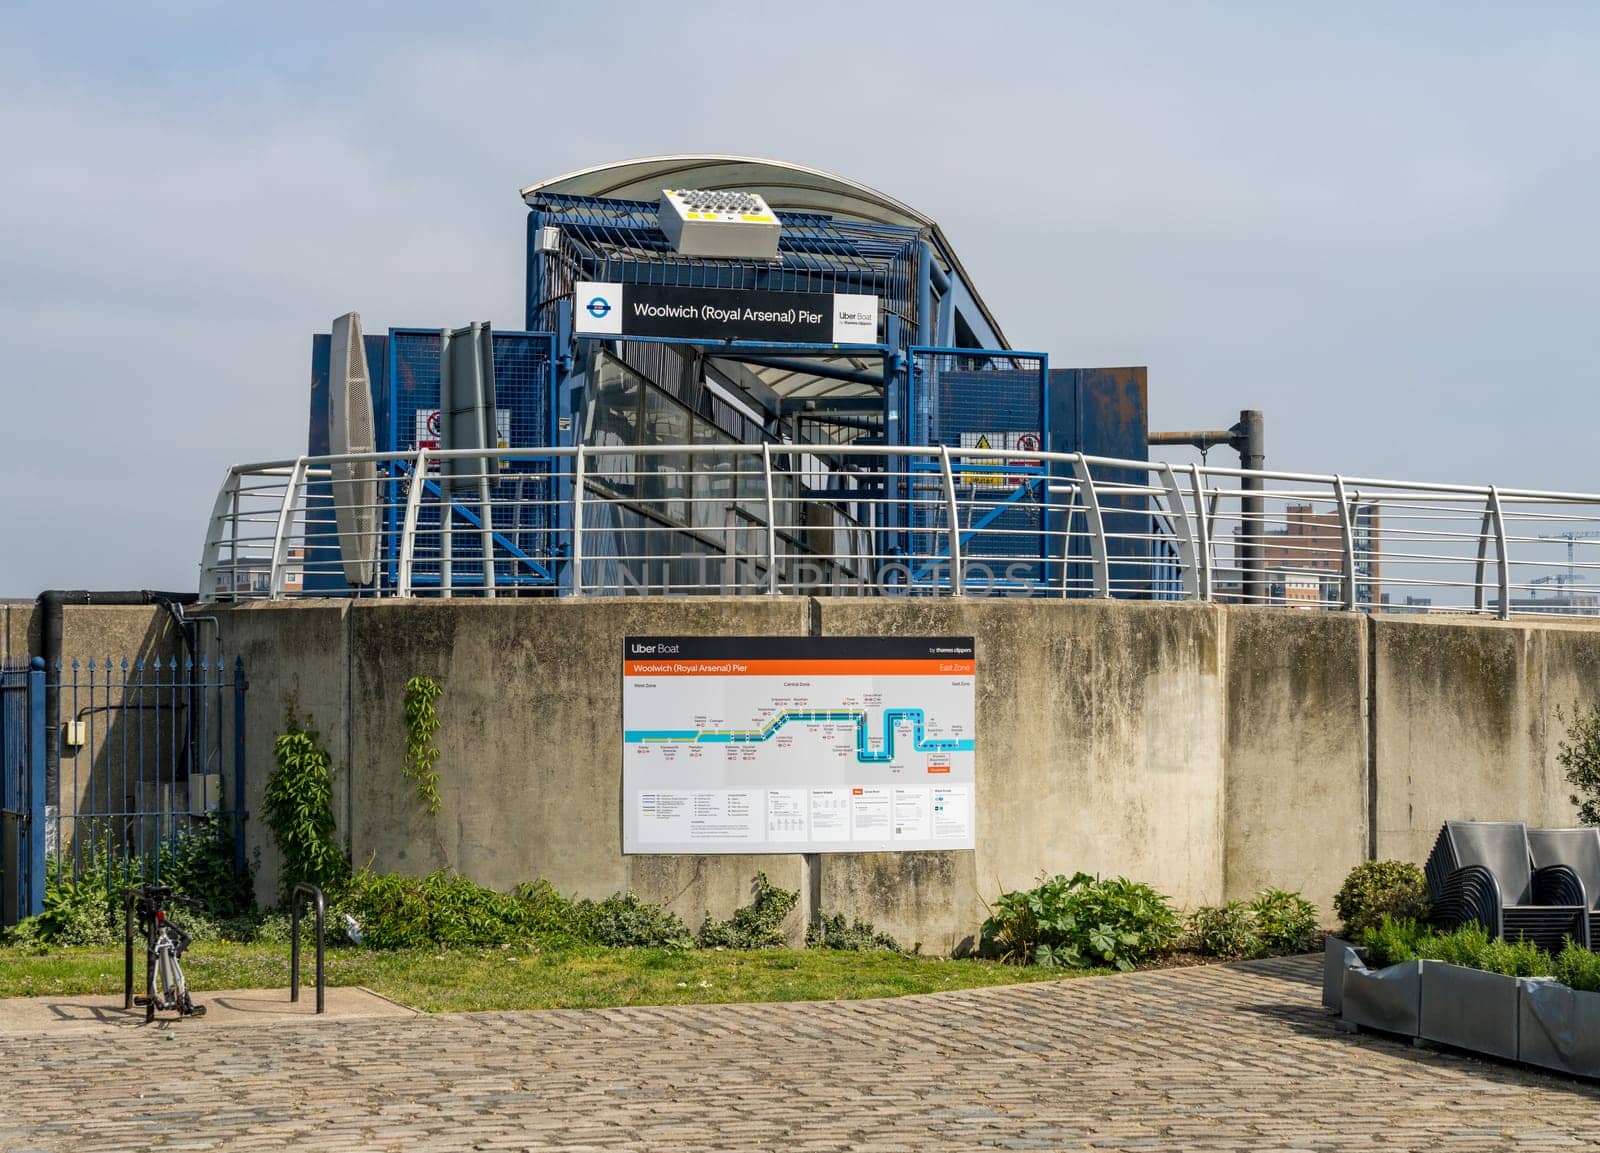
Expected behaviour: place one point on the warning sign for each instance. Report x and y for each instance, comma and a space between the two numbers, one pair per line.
999, 473
426, 433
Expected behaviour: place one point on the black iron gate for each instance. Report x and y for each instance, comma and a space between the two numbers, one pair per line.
146, 753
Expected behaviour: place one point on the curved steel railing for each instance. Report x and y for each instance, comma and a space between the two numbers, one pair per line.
864, 520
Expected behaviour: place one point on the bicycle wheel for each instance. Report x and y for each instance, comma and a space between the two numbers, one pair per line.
169, 978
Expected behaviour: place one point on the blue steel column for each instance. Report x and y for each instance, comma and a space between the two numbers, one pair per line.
926, 330
239, 687
563, 409
34, 830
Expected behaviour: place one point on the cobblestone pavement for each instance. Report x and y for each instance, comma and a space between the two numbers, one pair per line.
1215, 1058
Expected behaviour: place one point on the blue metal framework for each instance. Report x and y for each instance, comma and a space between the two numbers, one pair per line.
524, 368
957, 397
619, 241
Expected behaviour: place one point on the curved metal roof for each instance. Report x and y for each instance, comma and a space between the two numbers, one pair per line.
785, 186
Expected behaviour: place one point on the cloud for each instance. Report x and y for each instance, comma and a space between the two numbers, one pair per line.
1376, 225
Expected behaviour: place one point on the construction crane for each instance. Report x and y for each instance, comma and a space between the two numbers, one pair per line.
1569, 537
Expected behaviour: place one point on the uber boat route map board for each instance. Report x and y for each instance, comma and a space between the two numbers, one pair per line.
797, 744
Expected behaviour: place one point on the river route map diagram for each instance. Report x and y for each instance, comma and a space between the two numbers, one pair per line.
798, 744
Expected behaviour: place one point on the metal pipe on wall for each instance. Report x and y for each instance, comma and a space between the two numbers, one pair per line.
1249, 439
1252, 509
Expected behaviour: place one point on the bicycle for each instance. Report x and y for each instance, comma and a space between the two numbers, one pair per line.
165, 942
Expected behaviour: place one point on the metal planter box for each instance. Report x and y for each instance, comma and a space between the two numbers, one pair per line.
1337, 956
1387, 999
1559, 1027
1469, 1009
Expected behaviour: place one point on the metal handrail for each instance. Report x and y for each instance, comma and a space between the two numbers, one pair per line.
319, 904
938, 520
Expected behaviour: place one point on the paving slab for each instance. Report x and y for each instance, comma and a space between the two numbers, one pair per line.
224, 1008
1238, 1057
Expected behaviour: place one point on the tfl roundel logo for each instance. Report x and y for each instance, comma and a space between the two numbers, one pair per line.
597, 308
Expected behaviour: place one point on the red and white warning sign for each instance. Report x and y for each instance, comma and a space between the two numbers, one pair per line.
426, 433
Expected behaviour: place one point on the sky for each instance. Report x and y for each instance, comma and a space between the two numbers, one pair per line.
1377, 223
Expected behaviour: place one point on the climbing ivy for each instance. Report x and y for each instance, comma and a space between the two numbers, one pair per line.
422, 722
299, 808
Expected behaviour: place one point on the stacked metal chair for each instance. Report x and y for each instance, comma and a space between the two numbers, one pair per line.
1579, 850
1484, 871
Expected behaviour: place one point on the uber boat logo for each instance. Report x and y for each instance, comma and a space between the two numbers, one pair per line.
855, 319
599, 308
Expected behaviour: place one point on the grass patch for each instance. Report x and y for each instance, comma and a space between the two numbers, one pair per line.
527, 977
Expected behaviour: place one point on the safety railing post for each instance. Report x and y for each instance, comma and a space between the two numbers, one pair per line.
221, 518
1347, 541
1097, 528
772, 522
1182, 532
957, 580
486, 534
280, 537
408, 523
1202, 525
1499, 518
577, 521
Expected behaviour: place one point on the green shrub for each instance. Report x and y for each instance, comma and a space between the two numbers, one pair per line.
758, 925
1463, 945
858, 936
198, 863
1081, 922
1284, 922
1390, 941
299, 810
1227, 931
1578, 968
81, 906
1578, 753
622, 920
1377, 889
441, 909
548, 914
1519, 958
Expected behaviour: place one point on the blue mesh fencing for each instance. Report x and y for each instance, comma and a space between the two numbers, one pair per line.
524, 544
972, 398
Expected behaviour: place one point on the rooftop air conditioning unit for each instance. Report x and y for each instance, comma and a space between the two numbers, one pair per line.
719, 225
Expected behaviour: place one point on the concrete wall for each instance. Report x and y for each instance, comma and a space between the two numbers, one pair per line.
1466, 726
531, 743
296, 657
1211, 751
1100, 747
1295, 784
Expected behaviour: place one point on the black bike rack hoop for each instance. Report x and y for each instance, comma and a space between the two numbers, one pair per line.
320, 905
128, 898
